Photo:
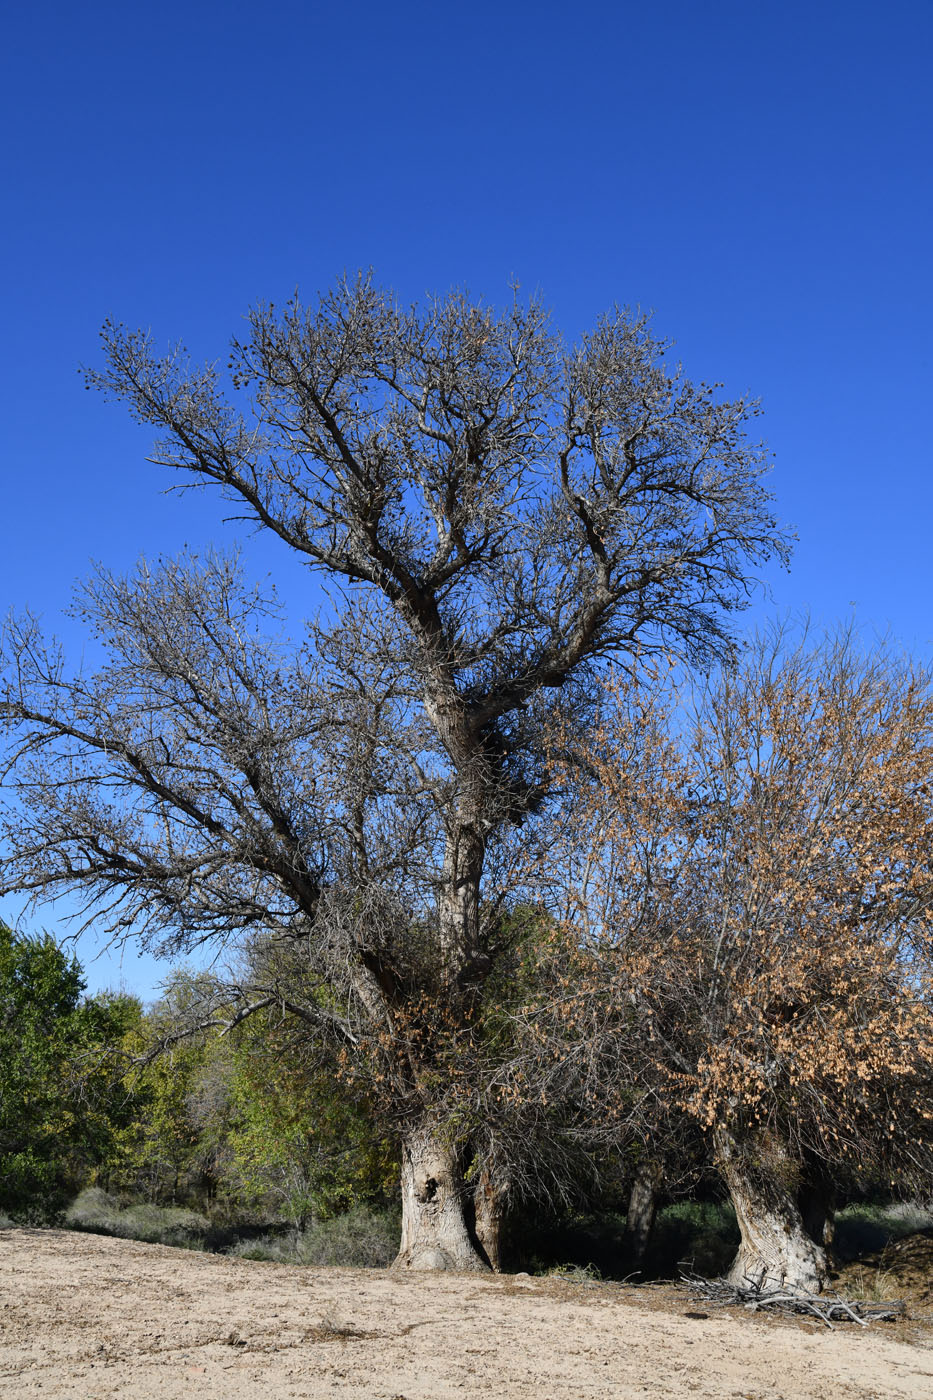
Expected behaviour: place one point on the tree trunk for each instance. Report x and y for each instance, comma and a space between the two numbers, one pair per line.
642, 1208
817, 1201
435, 1234
775, 1247
458, 901
490, 1197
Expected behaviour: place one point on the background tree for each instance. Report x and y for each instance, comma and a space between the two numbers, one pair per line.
301, 1145
768, 936
247, 1124
501, 514
60, 1091
168, 1149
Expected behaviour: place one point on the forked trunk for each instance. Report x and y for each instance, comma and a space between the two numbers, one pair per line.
776, 1248
435, 1234
642, 1208
490, 1197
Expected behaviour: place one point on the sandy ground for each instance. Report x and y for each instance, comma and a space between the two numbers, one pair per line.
86, 1317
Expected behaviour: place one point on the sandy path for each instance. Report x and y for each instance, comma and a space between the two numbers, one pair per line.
85, 1317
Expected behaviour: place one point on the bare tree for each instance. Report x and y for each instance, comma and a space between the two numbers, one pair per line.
502, 514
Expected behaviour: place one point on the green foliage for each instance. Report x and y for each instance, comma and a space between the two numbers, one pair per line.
361, 1238
300, 1145
158, 1153
244, 1125
60, 1097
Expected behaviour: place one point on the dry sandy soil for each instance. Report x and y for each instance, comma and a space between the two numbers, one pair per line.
86, 1317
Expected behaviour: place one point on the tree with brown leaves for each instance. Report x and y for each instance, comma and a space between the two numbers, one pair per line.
753, 883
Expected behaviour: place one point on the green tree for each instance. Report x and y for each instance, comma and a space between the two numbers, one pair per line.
301, 1145
251, 1121
60, 1100
167, 1148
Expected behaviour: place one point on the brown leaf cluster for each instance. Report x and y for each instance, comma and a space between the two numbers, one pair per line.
745, 875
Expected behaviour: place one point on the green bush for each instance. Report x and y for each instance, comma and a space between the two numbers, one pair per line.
99, 1213
865, 1229
361, 1239
60, 1103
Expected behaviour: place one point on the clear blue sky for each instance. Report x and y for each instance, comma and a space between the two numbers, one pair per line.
758, 173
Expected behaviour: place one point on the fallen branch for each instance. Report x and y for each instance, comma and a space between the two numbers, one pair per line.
765, 1293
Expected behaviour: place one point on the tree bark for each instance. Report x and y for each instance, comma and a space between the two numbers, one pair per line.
775, 1247
490, 1198
642, 1208
435, 1234
458, 900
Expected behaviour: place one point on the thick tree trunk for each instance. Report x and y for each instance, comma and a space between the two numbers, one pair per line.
490, 1198
775, 1247
435, 1234
471, 816
642, 1208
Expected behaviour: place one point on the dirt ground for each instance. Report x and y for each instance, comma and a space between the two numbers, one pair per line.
84, 1317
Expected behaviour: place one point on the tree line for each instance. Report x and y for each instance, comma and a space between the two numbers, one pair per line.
243, 1127
527, 896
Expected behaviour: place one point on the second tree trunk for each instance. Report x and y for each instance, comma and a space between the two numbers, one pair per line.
642, 1208
775, 1248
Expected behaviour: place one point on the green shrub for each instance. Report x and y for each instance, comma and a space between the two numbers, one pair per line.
865, 1229
59, 1101
361, 1239
96, 1211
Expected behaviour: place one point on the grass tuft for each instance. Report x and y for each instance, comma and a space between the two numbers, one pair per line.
867, 1285
575, 1273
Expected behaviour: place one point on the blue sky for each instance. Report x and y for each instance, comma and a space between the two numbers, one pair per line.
758, 174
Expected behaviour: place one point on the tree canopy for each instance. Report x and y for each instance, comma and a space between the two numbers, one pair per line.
748, 900
502, 514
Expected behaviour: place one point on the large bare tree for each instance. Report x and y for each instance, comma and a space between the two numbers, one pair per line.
500, 513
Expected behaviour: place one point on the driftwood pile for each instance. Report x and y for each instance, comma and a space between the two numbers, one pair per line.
765, 1293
